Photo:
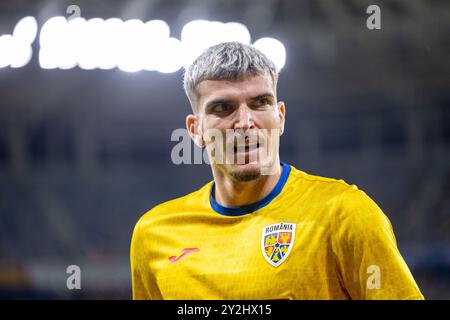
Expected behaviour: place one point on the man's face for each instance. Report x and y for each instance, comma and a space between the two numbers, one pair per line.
240, 111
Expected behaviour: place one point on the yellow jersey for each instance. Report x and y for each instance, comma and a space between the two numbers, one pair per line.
309, 238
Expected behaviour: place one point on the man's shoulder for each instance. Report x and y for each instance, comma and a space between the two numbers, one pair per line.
331, 187
178, 205
348, 207
347, 200
341, 198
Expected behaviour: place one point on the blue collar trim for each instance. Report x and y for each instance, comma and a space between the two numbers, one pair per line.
242, 210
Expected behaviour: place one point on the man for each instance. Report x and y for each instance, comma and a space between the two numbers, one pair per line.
262, 229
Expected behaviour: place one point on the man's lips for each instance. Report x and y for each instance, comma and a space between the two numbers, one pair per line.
246, 148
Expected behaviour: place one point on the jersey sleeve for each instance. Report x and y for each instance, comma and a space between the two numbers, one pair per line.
369, 262
136, 259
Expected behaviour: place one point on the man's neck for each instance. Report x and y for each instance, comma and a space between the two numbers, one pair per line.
232, 193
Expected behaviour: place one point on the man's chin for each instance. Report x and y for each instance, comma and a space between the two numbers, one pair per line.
244, 172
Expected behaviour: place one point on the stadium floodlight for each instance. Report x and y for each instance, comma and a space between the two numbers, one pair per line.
53, 39
235, 31
157, 29
133, 45
70, 50
47, 59
156, 34
20, 54
198, 35
110, 43
5, 50
171, 57
90, 53
53, 31
273, 49
25, 30
13, 52
15, 49
193, 40
131, 38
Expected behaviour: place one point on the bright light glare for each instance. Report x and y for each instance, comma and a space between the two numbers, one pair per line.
72, 47
15, 49
131, 38
156, 29
53, 31
21, 53
110, 44
198, 35
171, 58
55, 43
91, 49
133, 45
273, 49
194, 40
5, 50
26, 30
236, 31
13, 52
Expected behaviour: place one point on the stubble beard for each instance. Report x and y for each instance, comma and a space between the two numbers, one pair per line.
244, 175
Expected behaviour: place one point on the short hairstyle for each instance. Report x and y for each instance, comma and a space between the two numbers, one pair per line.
232, 61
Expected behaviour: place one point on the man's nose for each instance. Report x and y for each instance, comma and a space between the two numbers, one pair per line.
245, 118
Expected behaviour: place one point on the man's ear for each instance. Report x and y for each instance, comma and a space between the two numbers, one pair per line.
282, 115
194, 129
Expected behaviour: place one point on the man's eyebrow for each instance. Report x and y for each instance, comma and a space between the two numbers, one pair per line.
217, 101
229, 101
264, 95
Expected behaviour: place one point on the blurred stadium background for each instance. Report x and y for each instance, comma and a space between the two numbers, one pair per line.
84, 153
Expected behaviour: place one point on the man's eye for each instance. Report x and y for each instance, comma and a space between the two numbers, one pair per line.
262, 102
221, 107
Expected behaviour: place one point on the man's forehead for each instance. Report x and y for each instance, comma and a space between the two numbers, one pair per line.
245, 88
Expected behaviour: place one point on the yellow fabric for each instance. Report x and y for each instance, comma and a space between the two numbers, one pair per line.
340, 234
